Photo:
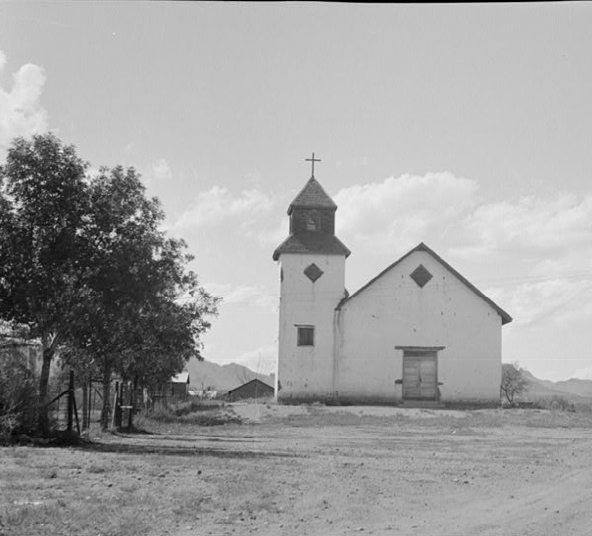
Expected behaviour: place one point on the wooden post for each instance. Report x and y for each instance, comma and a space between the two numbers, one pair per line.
70, 402
76, 415
132, 397
90, 401
118, 404
115, 404
84, 405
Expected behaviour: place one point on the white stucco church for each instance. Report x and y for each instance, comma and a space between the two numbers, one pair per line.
418, 331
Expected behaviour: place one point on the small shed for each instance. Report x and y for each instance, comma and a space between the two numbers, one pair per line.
253, 389
180, 384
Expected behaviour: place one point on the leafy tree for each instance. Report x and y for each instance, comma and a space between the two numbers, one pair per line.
513, 382
43, 204
84, 263
132, 321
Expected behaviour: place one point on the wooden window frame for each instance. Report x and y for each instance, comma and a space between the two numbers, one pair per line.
305, 335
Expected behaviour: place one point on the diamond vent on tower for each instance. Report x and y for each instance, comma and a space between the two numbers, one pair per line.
313, 272
421, 275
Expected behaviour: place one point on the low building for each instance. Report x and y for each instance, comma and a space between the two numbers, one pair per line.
253, 389
180, 384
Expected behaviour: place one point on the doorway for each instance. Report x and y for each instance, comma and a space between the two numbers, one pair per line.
420, 375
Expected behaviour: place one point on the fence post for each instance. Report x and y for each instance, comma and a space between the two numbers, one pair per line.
70, 402
90, 400
84, 405
132, 403
115, 405
118, 404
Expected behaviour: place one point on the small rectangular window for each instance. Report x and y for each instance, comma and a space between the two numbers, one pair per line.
305, 335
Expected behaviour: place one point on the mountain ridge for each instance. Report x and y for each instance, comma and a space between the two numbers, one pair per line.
207, 375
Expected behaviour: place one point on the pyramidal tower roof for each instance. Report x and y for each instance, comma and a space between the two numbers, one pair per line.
312, 195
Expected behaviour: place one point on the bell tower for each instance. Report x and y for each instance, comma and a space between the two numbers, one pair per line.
312, 283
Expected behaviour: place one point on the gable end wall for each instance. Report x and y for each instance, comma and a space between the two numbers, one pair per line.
395, 311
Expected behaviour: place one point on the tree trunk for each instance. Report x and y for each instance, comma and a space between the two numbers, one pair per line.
43, 411
106, 411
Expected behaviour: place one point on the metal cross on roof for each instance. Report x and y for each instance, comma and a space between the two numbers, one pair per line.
313, 160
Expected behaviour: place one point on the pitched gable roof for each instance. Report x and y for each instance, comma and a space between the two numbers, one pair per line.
312, 195
256, 381
506, 318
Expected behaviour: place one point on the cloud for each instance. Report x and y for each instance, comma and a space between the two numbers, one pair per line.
275, 235
218, 206
556, 300
554, 231
161, 170
397, 213
21, 113
243, 295
536, 250
531, 226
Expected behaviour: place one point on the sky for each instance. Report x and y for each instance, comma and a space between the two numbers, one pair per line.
466, 127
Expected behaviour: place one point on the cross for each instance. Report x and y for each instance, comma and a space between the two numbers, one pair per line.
313, 160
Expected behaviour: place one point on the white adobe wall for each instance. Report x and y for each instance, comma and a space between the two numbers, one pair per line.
394, 311
306, 372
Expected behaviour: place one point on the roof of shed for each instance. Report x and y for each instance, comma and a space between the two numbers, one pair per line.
256, 380
182, 377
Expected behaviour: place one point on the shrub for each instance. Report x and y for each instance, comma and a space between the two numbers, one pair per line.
513, 382
199, 412
556, 402
193, 405
18, 395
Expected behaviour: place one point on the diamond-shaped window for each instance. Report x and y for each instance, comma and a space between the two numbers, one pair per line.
313, 272
421, 275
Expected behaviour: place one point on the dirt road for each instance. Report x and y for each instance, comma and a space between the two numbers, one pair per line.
339, 471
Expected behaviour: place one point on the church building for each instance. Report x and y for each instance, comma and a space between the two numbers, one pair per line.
418, 331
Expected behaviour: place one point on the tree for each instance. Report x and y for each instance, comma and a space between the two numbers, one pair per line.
513, 382
133, 320
84, 263
43, 204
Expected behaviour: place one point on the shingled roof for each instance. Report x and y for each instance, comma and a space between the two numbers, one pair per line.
312, 195
311, 243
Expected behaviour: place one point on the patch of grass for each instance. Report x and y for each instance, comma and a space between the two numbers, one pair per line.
97, 469
555, 402
194, 412
48, 473
30, 514
195, 405
20, 453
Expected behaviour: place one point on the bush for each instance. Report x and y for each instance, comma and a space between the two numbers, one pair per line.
513, 382
18, 396
192, 411
193, 405
556, 402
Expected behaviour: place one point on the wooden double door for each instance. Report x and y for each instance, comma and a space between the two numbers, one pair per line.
420, 375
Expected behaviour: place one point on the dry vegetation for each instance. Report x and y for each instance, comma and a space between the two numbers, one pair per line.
311, 470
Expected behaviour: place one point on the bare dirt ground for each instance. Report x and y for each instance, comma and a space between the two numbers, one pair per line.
310, 470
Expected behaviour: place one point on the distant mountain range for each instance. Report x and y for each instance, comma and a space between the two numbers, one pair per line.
205, 375
574, 389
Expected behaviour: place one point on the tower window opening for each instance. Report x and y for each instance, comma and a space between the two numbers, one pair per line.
313, 221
